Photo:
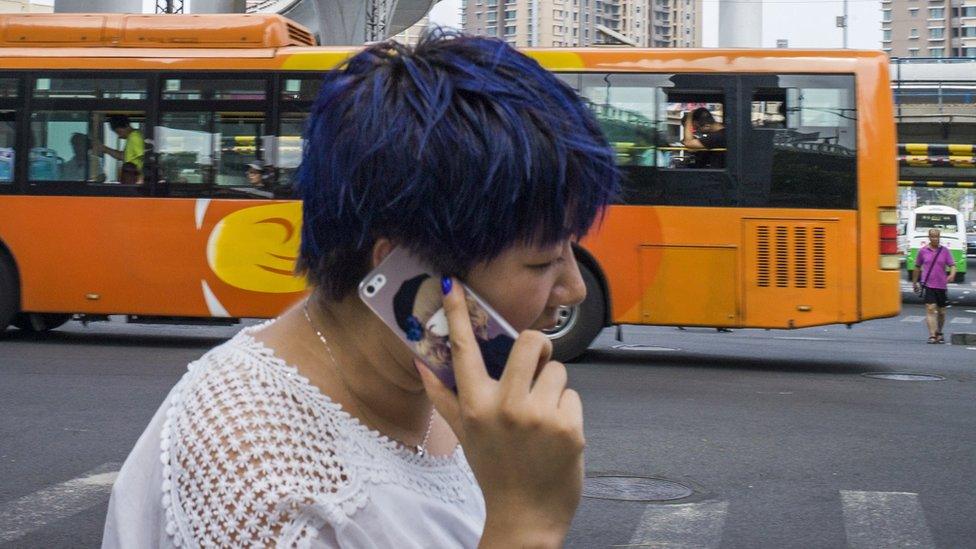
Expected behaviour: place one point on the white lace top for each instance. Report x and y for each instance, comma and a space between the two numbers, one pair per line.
246, 452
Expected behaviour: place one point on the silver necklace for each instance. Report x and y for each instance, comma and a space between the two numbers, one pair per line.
419, 449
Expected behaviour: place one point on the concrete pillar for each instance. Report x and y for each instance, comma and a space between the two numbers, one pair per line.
98, 6
739, 24
216, 6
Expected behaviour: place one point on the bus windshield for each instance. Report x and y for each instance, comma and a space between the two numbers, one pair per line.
944, 222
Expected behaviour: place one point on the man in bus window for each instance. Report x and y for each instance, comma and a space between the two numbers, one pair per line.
83, 166
135, 145
701, 133
931, 264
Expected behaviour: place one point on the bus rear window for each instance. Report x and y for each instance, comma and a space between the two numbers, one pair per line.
8, 88
943, 222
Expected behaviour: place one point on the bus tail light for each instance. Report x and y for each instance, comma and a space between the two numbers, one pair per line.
888, 240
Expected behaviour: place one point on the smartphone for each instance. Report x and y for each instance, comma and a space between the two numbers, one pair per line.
406, 295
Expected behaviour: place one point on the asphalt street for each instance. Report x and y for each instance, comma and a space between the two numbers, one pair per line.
780, 437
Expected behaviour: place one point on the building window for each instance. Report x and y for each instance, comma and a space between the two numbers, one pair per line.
510, 15
936, 52
936, 34
912, 52
886, 35
509, 30
913, 12
913, 33
967, 11
936, 13
492, 3
968, 52
886, 16
491, 31
968, 32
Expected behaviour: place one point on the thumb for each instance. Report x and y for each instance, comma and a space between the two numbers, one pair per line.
444, 399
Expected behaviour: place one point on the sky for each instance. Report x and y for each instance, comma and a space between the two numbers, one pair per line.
805, 23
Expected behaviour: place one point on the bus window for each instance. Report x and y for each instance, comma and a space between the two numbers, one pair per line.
698, 140
181, 89
86, 146
305, 88
7, 139
90, 88
809, 124
8, 88
199, 151
289, 149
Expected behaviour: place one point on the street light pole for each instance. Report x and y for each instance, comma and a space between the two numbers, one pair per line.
845, 24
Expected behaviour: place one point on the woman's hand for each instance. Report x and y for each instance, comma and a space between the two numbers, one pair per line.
522, 434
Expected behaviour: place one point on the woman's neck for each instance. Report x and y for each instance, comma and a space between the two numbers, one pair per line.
371, 368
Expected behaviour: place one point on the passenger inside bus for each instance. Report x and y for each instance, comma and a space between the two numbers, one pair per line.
133, 151
701, 133
7, 146
84, 165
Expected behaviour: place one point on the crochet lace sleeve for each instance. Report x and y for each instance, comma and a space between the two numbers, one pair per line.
244, 459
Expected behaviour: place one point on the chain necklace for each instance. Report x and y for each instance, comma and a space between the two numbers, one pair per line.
419, 449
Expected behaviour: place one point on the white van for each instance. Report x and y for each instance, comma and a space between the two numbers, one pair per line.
953, 235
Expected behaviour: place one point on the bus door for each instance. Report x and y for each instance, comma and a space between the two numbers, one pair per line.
798, 135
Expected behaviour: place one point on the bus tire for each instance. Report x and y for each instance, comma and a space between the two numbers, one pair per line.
9, 291
578, 326
40, 322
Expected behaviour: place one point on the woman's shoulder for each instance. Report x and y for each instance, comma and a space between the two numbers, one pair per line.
245, 438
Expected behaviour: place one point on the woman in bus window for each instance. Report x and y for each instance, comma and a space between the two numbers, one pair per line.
319, 428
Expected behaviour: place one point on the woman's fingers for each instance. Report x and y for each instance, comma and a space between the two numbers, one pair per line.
469, 366
550, 383
531, 349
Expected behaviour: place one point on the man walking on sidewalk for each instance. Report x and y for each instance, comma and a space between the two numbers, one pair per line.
932, 262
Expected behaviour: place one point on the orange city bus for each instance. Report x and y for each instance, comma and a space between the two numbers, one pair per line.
790, 223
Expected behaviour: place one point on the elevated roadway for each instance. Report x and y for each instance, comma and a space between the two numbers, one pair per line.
345, 22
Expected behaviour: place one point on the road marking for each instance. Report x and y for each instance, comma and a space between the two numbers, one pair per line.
875, 520
34, 511
913, 318
681, 526
961, 320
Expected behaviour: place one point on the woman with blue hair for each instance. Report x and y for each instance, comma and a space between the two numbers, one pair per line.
319, 428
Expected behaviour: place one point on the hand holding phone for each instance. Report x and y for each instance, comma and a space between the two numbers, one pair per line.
522, 434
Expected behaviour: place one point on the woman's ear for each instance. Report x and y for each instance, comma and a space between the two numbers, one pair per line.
381, 248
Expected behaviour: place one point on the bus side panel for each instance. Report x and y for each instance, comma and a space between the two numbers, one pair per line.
877, 167
168, 257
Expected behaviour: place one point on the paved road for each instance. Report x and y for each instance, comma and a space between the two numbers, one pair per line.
783, 440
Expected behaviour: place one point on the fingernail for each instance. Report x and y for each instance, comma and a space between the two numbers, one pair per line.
446, 284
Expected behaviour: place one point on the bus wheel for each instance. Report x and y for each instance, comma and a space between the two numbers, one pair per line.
40, 322
578, 326
9, 292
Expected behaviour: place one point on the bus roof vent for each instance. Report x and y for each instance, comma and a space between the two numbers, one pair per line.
299, 35
151, 31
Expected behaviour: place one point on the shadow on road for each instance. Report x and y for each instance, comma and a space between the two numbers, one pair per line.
169, 341
654, 359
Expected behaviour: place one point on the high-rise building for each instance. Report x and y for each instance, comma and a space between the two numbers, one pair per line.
556, 23
934, 28
25, 6
412, 35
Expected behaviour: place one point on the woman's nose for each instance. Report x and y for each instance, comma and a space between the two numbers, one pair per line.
571, 288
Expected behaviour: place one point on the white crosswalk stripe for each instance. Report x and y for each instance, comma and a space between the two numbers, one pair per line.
681, 526
913, 318
34, 511
961, 320
876, 520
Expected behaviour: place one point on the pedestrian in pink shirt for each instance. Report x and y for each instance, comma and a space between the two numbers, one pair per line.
932, 263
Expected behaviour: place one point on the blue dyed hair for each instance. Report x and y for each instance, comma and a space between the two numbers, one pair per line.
458, 149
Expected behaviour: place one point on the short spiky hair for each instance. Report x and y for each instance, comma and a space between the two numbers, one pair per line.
457, 148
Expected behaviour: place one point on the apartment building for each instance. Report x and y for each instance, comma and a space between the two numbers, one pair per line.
929, 28
563, 23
